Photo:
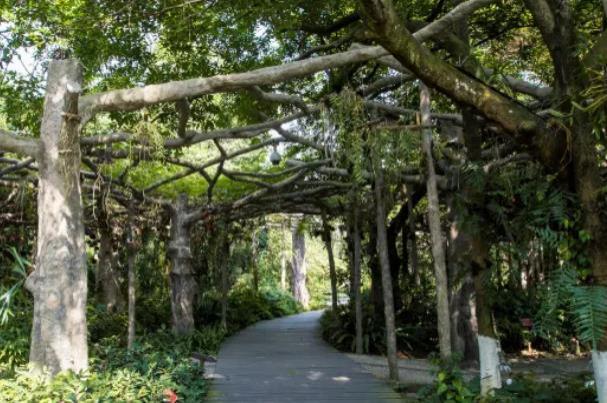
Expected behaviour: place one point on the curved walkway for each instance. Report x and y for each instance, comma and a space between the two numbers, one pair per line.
285, 360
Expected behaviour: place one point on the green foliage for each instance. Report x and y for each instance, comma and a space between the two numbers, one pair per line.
339, 329
245, 307
19, 274
587, 304
525, 389
143, 374
15, 343
449, 385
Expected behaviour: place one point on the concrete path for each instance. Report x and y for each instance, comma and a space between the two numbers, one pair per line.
285, 360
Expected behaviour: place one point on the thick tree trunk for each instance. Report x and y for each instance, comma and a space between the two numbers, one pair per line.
132, 255
384, 262
300, 288
183, 284
587, 185
59, 282
438, 245
108, 288
464, 327
326, 237
488, 343
356, 259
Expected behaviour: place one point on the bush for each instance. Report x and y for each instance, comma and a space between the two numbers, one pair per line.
339, 329
146, 373
159, 362
245, 307
449, 385
525, 389
14, 343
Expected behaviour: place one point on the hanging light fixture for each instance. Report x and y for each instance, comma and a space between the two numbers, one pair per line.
275, 155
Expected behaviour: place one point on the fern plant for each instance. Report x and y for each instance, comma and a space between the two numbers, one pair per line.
587, 304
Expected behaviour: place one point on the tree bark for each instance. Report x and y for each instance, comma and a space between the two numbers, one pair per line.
326, 237
254, 263
132, 256
59, 283
183, 284
225, 286
300, 288
283, 270
413, 244
384, 262
106, 278
488, 343
464, 327
438, 245
356, 259
547, 145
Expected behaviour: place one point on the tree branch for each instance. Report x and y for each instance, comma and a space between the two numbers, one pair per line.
18, 145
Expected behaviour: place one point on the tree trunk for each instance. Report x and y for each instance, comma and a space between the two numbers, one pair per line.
413, 244
377, 296
438, 246
395, 264
59, 283
300, 289
183, 284
106, 279
384, 262
283, 259
132, 255
254, 265
488, 344
225, 286
464, 327
283, 270
326, 237
356, 258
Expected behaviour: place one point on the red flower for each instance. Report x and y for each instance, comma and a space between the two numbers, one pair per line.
170, 396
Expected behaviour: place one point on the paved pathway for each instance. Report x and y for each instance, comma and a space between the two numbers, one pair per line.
285, 360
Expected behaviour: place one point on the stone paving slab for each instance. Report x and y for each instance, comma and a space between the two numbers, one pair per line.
285, 360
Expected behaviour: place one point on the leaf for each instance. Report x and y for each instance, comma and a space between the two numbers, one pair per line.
590, 309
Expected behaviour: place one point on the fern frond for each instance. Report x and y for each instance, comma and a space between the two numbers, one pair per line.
590, 310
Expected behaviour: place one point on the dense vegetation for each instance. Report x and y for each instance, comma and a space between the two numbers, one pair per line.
172, 171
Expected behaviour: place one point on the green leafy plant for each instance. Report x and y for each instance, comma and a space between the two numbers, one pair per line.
449, 385
19, 272
526, 389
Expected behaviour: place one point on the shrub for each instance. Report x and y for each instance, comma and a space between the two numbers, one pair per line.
14, 343
449, 385
526, 389
144, 374
339, 329
245, 307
